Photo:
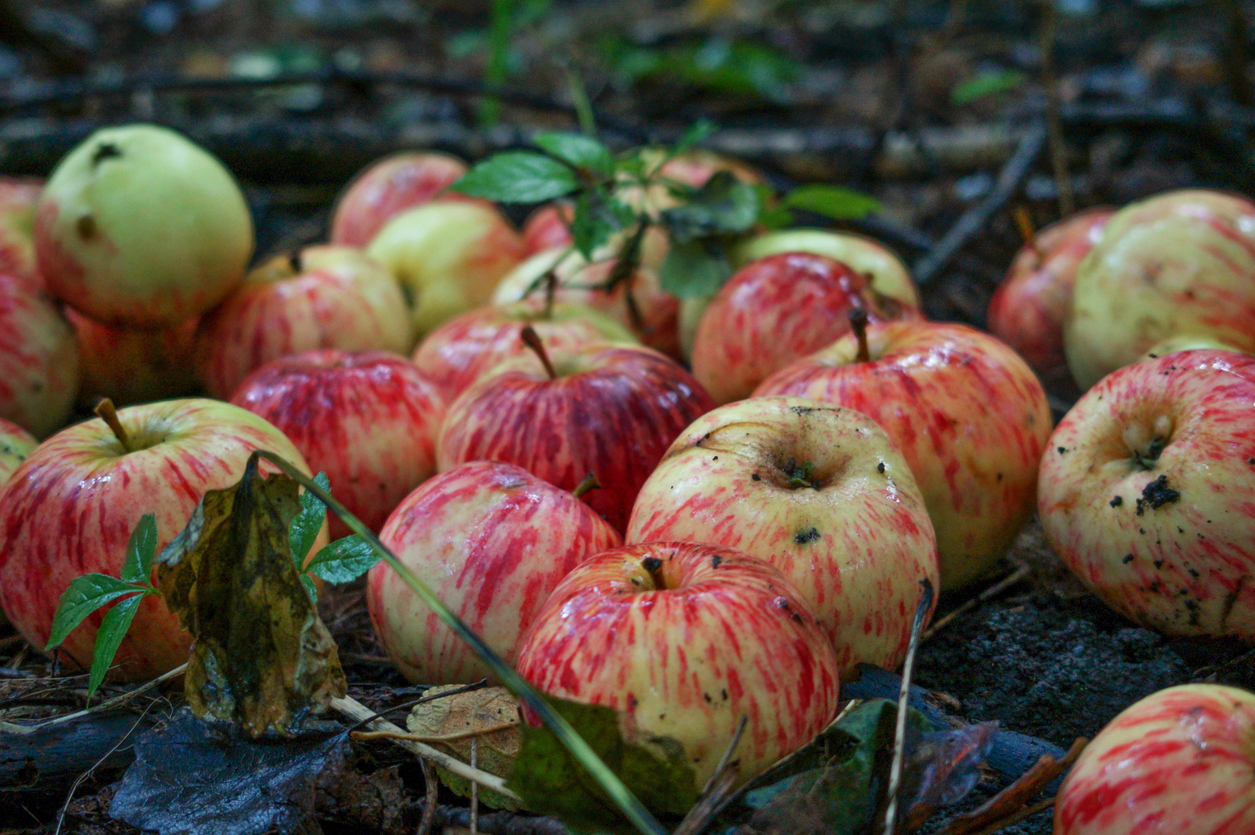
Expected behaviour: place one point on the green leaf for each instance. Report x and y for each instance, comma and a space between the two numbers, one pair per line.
85, 595
577, 150
597, 217
692, 269
724, 205
694, 135
550, 780
307, 523
518, 177
112, 630
832, 201
140, 548
985, 84
343, 560
310, 586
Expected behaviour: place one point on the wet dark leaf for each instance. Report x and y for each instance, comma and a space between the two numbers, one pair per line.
693, 269
723, 206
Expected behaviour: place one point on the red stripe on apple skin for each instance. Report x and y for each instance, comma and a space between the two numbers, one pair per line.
614, 419
602, 640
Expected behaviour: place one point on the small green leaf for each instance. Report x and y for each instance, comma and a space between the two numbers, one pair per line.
578, 151
832, 202
985, 84
306, 524
112, 630
343, 560
518, 177
85, 595
310, 586
597, 217
693, 269
724, 205
693, 135
140, 549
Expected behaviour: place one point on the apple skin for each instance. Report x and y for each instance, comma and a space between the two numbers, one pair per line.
133, 365
458, 352
140, 226
367, 419
612, 411
39, 367
1188, 342
1167, 545
966, 412
70, 508
548, 227
1035, 296
776, 310
855, 544
15, 444
492, 540
1182, 262
686, 650
18, 199
448, 256
1178, 761
329, 297
389, 186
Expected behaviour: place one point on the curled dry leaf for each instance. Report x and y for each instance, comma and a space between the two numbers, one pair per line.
490, 716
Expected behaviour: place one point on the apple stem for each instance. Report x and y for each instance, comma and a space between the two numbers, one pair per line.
551, 291
588, 483
106, 412
532, 340
1024, 222
858, 324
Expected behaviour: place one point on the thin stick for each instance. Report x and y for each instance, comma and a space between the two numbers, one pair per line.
466, 688
429, 801
69, 797
1027, 811
904, 693
727, 753
474, 788
718, 789
107, 704
1054, 124
1002, 585
368, 736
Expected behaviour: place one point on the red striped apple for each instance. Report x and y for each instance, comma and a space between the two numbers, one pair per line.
138, 225
492, 540
39, 369
683, 640
367, 419
18, 199
548, 227
70, 508
1187, 342
133, 365
967, 413
386, 188
776, 310
1147, 492
818, 491
15, 444
606, 409
458, 352
1182, 262
1179, 761
325, 297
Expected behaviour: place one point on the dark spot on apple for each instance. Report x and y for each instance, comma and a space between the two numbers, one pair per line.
1180, 529
651, 564
662, 716
1156, 495
1251, 461
716, 561
104, 151
1061, 450
86, 227
803, 537
1158, 563
1155, 586
724, 691
999, 476
880, 468
756, 477
1194, 573
715, 458
631, 700
1153, 356
1128, 558
706, 696
1117, 501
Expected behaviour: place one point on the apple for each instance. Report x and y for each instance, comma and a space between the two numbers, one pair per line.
140, 226
548, 227
818, 491
458, 352
70, 508
611, 410
133, 365
1028, 309
1182, 262
15, 444
325, 297
683, 639
448, 256
967, 413
39, 368
776, 310
1188, 342
389, 186
18, 198
1145, 492
1179, 760
367, 419
492, 541
638, 301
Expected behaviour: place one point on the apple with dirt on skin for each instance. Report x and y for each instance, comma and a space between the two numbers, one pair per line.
71, 506
389, 186
133, 365
610, 410
819, 492
1180, 760
18, 199
39, 367
138, 225
492, 541
683, 640
966, 411
323, 297
1145, 492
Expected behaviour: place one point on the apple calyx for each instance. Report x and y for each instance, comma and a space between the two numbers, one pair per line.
799, 475
106, 412
653, 567
1148, 446
589, 482
532, 340
858, 324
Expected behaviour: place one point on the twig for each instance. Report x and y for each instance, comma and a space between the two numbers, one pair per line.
107, 704
1003, 808
466, 688
432, 789
474, 788
718, 789
974, 219
1058, 148
904, 693
69, 797
1026, 812
1020, 573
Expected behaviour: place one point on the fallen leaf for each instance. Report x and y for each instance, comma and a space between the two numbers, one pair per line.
489, 716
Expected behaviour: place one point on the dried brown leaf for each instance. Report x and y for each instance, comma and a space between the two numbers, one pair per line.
489, 715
